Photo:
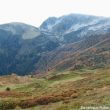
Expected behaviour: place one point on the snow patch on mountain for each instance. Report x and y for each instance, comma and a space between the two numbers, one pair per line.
31, 33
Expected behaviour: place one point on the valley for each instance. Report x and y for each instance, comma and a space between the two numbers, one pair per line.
64, 64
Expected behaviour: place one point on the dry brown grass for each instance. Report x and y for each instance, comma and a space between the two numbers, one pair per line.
15, 94
91, 88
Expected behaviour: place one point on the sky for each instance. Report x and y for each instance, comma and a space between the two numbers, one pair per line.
34, 12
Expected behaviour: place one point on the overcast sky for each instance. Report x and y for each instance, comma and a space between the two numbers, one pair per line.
34, 12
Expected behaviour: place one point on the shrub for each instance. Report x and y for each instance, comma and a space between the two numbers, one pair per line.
8, 89
7, 105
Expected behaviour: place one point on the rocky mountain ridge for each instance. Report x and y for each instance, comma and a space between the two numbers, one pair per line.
25, 49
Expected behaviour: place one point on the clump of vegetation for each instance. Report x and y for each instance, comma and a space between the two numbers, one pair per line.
8, 89
7, 105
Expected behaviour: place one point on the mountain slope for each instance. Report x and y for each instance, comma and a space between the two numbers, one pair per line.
94, 51
21, 46
25, 49
67, 90
74, 27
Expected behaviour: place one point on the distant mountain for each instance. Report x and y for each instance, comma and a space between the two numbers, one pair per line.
77, 33
65, 23
59, 43
24, 30
94, 52
21, 46
71, 28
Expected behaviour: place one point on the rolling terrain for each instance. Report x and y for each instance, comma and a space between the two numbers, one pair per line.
69, 90
62, 65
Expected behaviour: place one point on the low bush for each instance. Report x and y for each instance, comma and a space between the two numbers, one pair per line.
7, 105
8, 89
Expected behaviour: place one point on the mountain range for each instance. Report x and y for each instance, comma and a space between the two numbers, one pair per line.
68, 42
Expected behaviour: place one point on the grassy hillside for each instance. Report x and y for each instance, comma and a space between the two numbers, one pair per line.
65, 90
